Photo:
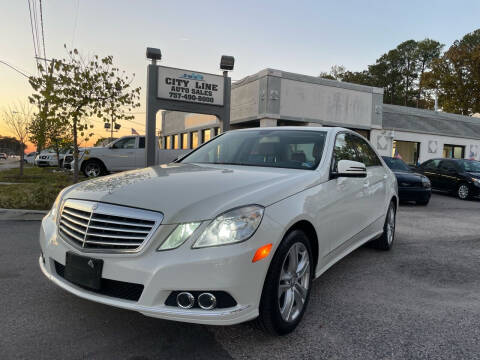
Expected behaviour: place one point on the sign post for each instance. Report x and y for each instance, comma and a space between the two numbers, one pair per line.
186, 91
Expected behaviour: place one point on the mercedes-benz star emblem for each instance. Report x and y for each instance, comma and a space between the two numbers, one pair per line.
91, 264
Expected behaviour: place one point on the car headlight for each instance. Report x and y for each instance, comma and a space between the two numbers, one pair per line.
178, 236
476, 181
56, 205
426, 182
231, 227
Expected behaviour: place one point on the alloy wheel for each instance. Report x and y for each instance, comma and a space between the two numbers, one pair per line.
294, 282
463, 191
92, 170
390, 225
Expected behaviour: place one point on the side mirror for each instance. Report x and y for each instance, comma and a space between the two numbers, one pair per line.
348, 168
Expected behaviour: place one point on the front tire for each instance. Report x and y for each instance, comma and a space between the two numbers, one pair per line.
463, 191
287, 285
385, 241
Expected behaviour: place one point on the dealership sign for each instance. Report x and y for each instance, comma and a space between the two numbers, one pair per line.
190, 86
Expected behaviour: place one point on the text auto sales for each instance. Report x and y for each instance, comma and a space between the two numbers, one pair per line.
182, 89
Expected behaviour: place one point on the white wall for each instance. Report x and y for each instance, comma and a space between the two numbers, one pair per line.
431, 146
326, 103
244, 101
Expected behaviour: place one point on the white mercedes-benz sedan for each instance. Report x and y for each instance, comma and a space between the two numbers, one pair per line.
234, 231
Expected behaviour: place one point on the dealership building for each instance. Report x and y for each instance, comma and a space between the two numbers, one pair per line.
279, 98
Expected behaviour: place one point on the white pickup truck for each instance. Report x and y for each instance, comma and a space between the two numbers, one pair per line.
125, 153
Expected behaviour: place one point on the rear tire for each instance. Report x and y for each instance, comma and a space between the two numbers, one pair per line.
93, 168
385, 241
286, 290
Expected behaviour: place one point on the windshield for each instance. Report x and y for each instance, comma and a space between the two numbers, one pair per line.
294, 149
470, 165
396, 164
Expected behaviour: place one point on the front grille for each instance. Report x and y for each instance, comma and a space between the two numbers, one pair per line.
103, 227
406, 184
68, 159
113, 288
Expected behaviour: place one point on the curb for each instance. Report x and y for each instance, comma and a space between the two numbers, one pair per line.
22, 215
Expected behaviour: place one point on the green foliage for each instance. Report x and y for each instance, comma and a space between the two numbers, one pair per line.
10, 145
398, 72
456, 76
74, 89
36, 190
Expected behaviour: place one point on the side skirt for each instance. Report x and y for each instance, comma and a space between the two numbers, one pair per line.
371, 232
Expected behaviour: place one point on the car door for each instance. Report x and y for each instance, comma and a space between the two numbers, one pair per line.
352, 206
140, 153
430, 169
121, 155
447, 175
375, 181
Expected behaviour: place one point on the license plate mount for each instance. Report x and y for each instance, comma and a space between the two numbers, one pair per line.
84, 270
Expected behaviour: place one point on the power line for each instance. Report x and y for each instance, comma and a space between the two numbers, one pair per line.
31, 26
14, 68
43, 34
34, 2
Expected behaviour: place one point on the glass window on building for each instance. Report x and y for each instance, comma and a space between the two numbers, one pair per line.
168, 142
408, 151
453, 151
184, 141
206, 135
176, 144
217, 131
194, 139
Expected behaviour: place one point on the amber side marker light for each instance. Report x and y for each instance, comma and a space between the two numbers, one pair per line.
262, 253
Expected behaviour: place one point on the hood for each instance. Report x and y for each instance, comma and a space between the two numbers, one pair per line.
188, 192
407, 176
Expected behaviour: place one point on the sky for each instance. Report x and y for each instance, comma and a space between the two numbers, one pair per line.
306, 37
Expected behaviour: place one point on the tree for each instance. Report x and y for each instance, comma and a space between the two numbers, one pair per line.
9, 144
456, 76
18, 118
398, 72
427, 51
408, 65
336, 73
81, 89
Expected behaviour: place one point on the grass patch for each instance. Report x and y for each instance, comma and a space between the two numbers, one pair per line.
36, 190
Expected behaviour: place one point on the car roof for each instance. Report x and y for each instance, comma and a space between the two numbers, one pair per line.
299, 128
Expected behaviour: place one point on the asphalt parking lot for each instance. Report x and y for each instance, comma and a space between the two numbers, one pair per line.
419, 301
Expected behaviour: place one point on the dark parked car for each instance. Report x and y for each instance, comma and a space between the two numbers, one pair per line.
457, 176
411, 186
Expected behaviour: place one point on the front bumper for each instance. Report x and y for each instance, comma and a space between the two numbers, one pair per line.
46, 162
414, 194
224, 268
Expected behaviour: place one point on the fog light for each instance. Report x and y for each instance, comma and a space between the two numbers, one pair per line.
207, 301
185, 300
